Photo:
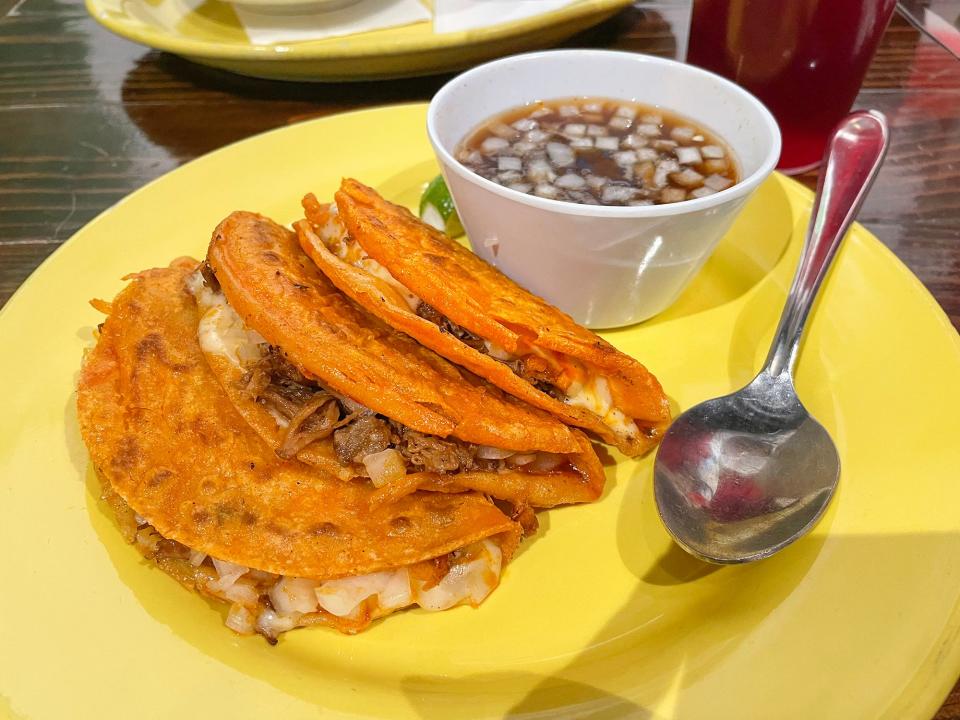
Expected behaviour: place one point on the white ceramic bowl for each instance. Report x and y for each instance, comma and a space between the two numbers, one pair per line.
606, 266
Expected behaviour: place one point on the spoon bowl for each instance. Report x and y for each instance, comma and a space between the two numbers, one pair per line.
739, 477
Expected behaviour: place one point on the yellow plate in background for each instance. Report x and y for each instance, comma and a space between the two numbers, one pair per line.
212, 35
599, 615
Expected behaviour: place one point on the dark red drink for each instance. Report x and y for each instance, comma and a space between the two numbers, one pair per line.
805, 59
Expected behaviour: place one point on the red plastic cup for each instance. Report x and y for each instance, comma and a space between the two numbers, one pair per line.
804, 59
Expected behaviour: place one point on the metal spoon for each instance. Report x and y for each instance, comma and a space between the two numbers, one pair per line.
739, 477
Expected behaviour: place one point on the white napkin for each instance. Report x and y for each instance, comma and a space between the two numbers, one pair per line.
266, 28
456, 15
166, 15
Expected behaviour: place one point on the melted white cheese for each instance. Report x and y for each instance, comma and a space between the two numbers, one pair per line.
334, 236
467, 582
594, 395
222, 331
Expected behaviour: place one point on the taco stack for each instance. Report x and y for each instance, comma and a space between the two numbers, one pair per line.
201, 495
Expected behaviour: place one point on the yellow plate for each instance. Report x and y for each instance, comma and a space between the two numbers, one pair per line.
212, 35
600, 615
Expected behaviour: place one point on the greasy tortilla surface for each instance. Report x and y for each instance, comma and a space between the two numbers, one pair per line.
481, 299
281, 294
170, 443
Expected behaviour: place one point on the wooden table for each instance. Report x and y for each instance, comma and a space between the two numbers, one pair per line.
86, 117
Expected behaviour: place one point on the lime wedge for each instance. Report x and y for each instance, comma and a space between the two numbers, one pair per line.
437, 208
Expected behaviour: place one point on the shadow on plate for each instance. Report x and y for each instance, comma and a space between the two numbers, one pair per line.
682, 618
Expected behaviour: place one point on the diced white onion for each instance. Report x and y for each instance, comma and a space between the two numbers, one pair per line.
702, 192
560, 155
634, 141
494, 144
664, 167
537, 136
294, 595
575, 129
509, 177
342, 596
593, 107
625, 157
597, 181
718, 182
570, 181
228, 571
646, 153
396, 592
617, 193
487, 452
664, 144
620, 123
240, 620
640, 203
541, 112
607, 142
525, 124
503, 131
596, 130
688, 155
539, 170
507, 162
712, 152
672, 194
470, 582
683, 134
238, 592
582, 143
648, 129
569, 111
687, 178
626, 111
545, 462
652, 119
546, 191
522, 147
520, 187
385, 466
520, 459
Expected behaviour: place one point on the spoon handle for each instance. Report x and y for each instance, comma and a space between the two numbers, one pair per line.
850, 164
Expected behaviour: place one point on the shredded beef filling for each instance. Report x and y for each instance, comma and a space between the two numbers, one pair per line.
209, 277
311, 412
531, 368
427, 312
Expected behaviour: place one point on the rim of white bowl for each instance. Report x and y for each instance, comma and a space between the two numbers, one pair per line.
740, 189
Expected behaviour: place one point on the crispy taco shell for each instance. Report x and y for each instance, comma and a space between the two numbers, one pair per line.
171, 445
479, 298
279, 293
